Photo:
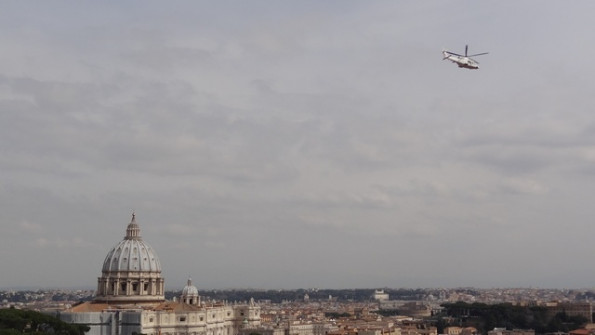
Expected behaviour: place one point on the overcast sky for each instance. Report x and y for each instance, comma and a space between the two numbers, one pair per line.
299, 144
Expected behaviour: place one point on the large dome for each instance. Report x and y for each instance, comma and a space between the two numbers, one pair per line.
132, 253
131, 271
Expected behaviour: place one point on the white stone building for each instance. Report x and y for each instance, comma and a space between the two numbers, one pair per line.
380, 295
130, 299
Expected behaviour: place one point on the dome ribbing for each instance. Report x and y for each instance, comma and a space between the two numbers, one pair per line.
131, 270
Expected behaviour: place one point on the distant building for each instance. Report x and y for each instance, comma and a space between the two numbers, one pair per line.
582, 331
380, 295
293, 328
414, 328
503, 331
584, 309
379, 331
416, 309
469, 331
453, 330
130, 299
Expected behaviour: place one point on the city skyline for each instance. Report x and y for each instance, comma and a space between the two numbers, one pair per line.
303, 144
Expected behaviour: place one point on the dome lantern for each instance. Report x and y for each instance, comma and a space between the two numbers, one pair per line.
133, 230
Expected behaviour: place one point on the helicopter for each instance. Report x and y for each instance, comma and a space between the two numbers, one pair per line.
463, 61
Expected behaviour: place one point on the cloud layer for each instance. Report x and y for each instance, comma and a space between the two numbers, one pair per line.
276, 145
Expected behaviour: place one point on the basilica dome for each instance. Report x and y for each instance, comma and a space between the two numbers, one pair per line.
132, 253
131, 271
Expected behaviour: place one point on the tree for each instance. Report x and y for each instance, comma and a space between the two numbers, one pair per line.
32, 322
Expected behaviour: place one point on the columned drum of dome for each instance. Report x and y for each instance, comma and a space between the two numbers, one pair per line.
131, 271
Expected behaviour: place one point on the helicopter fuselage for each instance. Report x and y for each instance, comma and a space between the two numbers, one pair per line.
461, 61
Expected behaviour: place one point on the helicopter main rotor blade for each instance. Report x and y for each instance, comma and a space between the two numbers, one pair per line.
483, 53
466, 47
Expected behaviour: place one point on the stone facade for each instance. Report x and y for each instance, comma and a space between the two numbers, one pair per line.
130, 299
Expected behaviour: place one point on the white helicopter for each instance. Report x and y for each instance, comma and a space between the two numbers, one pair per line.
463, 61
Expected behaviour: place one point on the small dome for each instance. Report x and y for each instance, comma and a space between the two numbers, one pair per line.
132, 253
189, 290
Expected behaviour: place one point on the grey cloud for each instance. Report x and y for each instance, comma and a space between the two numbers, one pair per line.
294, 132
